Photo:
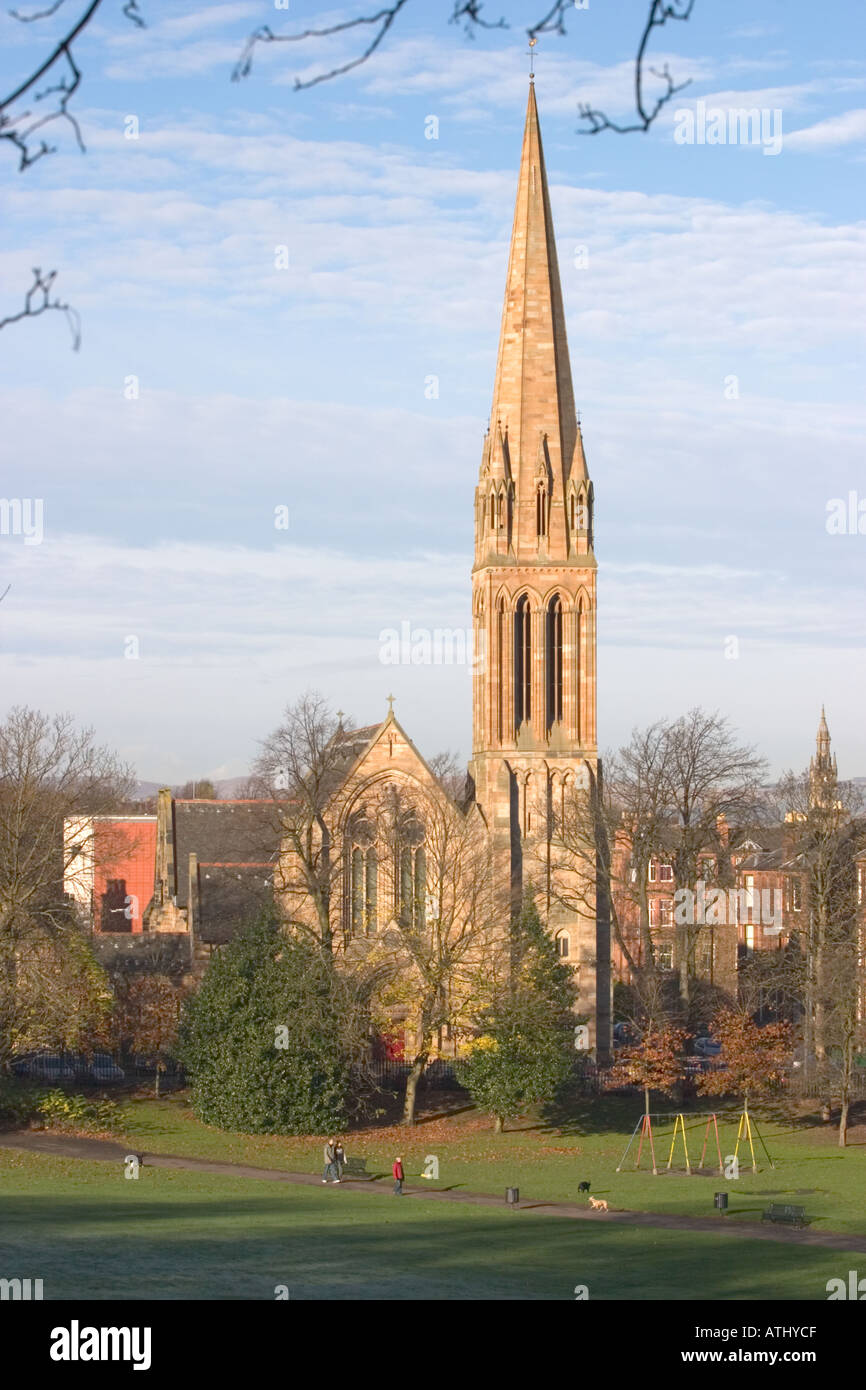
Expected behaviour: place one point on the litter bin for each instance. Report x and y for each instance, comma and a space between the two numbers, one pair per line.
720, 1201
512, 1196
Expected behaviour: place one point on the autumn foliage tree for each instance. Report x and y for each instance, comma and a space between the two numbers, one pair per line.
753, 1060
655, 1063
147, 1014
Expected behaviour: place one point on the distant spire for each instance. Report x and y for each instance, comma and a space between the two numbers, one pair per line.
823, 739
823, 772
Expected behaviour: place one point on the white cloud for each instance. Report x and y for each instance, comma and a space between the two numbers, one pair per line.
228, 634
847, 129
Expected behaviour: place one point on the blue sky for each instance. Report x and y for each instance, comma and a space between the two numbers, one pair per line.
304, 387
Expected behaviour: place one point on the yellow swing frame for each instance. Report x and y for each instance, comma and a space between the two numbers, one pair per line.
679, 1127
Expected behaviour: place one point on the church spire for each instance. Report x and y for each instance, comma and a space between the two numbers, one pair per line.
823, 772
533, 396
822, 741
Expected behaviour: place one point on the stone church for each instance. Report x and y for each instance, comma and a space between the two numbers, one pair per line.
534, 691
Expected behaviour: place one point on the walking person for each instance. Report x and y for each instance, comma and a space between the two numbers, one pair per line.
329, 1170
397, 1170
339, 1159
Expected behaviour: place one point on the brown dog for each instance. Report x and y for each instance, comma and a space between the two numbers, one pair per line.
598, 1204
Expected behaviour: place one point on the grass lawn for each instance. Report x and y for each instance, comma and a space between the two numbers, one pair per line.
90, 1233
547, 1161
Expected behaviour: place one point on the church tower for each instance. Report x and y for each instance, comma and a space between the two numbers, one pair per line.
823, 772
534, 576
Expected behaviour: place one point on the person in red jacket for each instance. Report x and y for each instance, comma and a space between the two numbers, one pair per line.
397, 1170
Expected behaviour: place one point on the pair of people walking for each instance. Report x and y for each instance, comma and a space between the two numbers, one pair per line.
335, 1157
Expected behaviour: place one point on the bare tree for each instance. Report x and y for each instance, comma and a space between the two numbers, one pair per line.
663, 796
301, 766
711, 780
446, 933
827, 830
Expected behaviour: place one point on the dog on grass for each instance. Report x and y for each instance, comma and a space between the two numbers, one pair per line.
583, 1187
598, 1204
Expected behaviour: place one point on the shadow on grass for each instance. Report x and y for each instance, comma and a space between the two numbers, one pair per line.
221, 1246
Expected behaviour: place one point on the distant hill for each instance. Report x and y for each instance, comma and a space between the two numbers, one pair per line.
225, 789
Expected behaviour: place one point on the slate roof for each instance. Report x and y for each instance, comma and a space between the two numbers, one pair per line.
223, 833
766, 861
230, 895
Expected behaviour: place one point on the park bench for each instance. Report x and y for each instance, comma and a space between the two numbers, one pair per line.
786, 1213
356, 1168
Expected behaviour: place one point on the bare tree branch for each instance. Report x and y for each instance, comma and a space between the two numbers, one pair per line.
20, 128
469, 11
469, 14
33, 307
383, 18
660, 11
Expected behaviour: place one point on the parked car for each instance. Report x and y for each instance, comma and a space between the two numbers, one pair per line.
707, 1047
103, 1068
625, 1035
50, 1068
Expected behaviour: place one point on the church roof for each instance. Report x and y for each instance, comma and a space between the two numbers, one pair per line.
223, 833
230, 896
533, 393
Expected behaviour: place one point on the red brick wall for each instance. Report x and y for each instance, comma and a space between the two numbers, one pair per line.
125, 854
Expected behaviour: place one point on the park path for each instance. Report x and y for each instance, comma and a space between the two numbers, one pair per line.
108, 1150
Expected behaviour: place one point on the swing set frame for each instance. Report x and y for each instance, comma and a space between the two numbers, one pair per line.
643, 1131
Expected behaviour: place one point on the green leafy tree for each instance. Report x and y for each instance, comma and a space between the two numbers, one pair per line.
525, 1051
267, 1039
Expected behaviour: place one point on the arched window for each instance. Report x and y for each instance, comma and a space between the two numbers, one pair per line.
541, 510
420, 888
499, 511
500, 657
553, 660
406, 884
357, 891
371, 892
492, 510
562, 944
413, 886
580, 670
522, 662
